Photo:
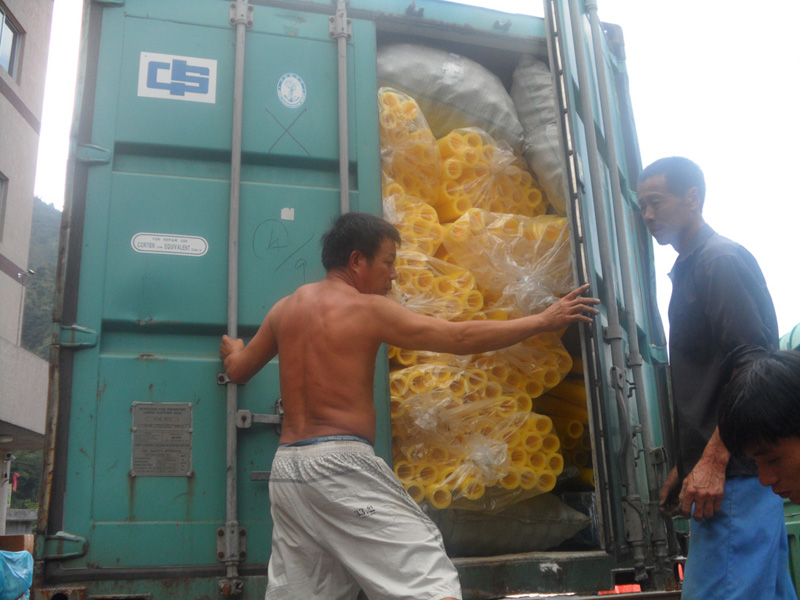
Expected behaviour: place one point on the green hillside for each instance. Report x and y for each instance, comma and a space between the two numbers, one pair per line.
40, 290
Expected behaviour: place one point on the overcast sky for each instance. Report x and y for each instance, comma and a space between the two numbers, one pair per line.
710, 80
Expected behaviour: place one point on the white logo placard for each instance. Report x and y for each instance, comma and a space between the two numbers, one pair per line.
167, 243
292, 90
172, 77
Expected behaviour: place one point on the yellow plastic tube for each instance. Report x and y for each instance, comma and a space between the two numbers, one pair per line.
427, 473
555, 462
471, 488
534, 387
538, 460
472, 301
547, 481
451, 144
473, 140
396, 408
528, 478
541, 424
518, 456
419, 381
571, 392
550, 443
524, 403
553, 405
396, 190
568, 427
416, 491
451, 168
406, 357
506, 406
422, 280
568, 443
511, 480
438, 496
532, 442
388, 99
451, 210
438, 454
443, 286
405, 471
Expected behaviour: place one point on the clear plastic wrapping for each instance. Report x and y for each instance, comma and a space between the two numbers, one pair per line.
457, 433
522, 263
476, 245
409, 152
481, 173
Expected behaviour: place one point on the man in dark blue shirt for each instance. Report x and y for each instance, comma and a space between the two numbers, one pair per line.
738, 546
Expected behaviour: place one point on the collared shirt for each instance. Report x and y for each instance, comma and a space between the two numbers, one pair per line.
719, 301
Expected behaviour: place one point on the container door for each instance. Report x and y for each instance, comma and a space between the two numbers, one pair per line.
626, 357
139, 450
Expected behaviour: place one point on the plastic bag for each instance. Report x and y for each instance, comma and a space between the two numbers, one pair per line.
434, 287
17, 574
531, 525
481, 173
534, 99
522, 263
457, 432
409, 151
452, 91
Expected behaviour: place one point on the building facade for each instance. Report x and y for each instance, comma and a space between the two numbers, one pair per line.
24, 41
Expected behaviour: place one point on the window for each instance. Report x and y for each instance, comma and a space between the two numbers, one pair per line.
9, 42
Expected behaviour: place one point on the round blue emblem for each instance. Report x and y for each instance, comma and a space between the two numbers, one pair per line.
292, 90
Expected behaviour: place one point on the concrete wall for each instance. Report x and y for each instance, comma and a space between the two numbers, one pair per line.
23, 376
23, 396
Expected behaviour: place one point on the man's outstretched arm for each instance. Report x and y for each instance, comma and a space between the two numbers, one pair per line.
407, 329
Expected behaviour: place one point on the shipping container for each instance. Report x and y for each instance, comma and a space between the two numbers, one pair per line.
213, 142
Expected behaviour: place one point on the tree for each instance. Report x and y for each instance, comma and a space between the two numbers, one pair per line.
40, 289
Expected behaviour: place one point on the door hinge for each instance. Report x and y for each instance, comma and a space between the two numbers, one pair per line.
338, 24
62, 546
74, 336
92, 155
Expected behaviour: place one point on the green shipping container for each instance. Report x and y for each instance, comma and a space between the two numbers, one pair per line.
180, 226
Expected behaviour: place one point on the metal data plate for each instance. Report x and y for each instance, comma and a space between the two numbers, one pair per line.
162, 439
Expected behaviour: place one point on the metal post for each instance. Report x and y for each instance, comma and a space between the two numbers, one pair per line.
241, 17
340, 30
632, 504
657, 527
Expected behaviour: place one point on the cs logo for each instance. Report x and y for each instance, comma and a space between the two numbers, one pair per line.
177, 77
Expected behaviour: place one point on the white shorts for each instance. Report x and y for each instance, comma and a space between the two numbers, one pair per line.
342, 521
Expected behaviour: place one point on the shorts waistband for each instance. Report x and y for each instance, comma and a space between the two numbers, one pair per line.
326, 438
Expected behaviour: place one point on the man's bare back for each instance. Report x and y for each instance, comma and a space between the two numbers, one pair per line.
328, 334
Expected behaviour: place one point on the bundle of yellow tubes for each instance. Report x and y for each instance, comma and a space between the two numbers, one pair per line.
566, 406
409, 152
528, 259
477, 172
462, 425
458, 432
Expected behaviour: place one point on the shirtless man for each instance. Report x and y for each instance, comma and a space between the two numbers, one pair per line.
342, 520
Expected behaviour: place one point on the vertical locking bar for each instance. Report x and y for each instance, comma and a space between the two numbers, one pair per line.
340, 30
241, 17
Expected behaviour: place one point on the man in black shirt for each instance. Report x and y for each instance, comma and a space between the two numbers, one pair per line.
738, 546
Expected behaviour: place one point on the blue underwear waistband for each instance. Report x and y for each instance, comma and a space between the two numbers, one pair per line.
327, 438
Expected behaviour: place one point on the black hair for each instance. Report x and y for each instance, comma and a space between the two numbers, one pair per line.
681, 175
761, 403
355, 231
